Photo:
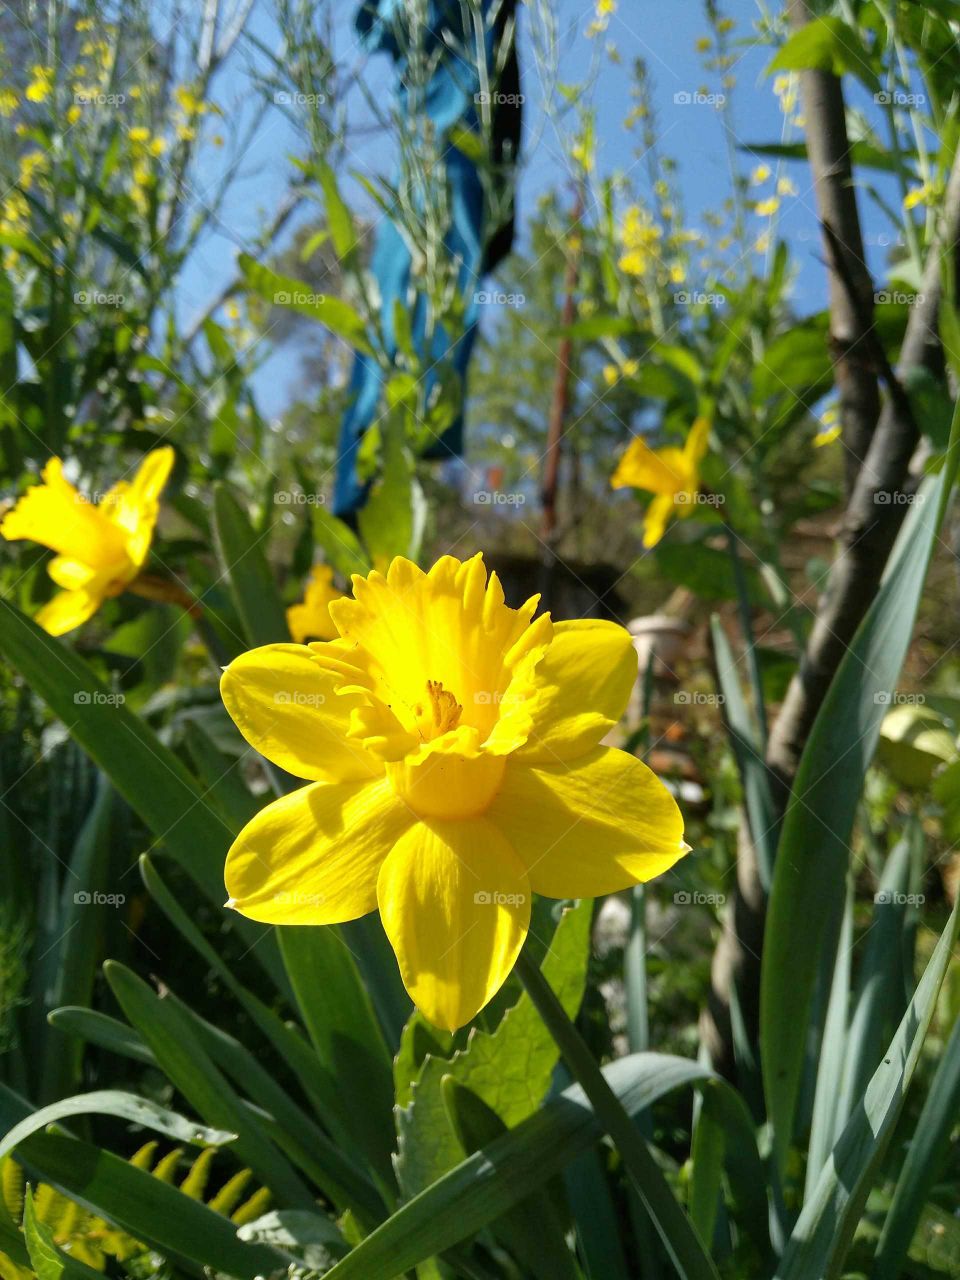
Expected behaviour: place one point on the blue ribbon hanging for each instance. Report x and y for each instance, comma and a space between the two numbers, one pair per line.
449, 100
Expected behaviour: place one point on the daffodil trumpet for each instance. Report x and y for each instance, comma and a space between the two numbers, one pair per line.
101, 546
453, 752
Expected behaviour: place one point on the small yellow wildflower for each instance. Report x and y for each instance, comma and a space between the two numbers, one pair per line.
39, 88
767, 208
760, 174
8, 103
610, 374
73, 114
310, 619
85, 24
100, 548
829, 429
677, 273
785, 187
138, 134
670, 473
704, 44
725, 25
30, 165
452, 748
917, 195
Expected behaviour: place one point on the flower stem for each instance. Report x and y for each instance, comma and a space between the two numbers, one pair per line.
676, 1231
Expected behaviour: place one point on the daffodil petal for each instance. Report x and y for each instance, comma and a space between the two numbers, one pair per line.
55, 515
67, 611
644, 468
70, 574
285, 702
589, 826
695, 446
134, 505
581, 688
656, 517
312, 857
455, 904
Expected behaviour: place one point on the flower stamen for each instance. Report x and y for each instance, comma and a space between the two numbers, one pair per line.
445, 711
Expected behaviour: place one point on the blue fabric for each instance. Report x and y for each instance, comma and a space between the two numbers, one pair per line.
449, 100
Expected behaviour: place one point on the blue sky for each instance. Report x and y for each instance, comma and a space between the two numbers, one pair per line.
664, 35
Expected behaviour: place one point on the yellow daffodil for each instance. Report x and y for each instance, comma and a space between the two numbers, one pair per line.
452, 748
310, 619
671, 474
100, 547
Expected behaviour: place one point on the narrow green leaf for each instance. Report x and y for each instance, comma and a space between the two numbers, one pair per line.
49, 1262
825, 1228
283, 291
339, 218
343, 1028
169, 1035
504, 1172
813, 853
114, 1102
244, 564
341, 546
150, 1210
100, 1029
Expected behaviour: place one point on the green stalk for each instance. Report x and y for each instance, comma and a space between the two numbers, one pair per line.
676, 1231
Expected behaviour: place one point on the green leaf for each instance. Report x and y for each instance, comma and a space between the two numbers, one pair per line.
100, 1029
145, 772
341, 546
533, 1230
749, 756
863, 154
926, 1157
393, 518
146, 1208
707, 571
114, 1102
509, 1069
339, 218
343, 1028
180, 1056
49, 1262
798, 358
283, 291
825, 1228
813, 853
826, 44
507, 1170
252, 581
